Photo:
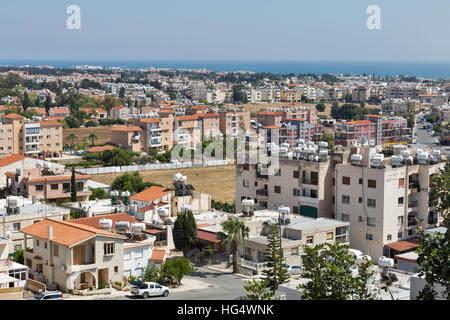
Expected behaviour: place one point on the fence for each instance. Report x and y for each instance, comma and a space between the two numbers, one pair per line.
151, 166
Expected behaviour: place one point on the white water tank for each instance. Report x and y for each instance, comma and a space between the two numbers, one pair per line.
105, 223
385, 262
126, 194
177, 177
47, 165
355, 252
284, 145
422, 157
122, 224
138, 226
185, 207
12, 202
323, 144
436, 152
114, 193
396, 160
361, 258
323, 153
163, 212
301, 141
356, 157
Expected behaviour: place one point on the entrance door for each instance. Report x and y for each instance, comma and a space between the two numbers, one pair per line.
103, 276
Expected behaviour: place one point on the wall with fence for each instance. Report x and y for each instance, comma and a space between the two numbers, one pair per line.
152, 166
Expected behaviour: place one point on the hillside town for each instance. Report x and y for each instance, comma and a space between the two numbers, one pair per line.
118, 183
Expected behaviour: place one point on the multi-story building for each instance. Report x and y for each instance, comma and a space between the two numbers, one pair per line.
209, 124
352, 132
187, 131
47, 184
50, 139
151, 133
399, 105
72, 256
19, 212
231, 120
59, 112
128, 138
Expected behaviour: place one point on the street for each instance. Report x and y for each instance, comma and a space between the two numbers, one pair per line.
426, 139
223, 286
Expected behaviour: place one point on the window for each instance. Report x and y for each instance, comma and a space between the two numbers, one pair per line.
334, 181
17, 247
39, 187
126, 256
400, 220
400, 235
296, 174
294, 251
360, 200
371, 203
116, 269
245, 183
371, 183
345, 199
360, 218
333, 199
371, 222
401, 182
346, 180
295, 192
277, 189
329, 236
360, 181
400, 201
389, 237
309, 239
369, 236
37, 243
345, 217
246, 166
108, 248
16, 226
55, 250
54, 186
138, 254
278, 172
295, 209
45, 245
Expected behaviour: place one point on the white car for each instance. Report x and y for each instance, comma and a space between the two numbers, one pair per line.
147, 289
294, 269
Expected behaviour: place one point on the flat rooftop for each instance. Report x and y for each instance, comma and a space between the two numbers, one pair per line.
26, 206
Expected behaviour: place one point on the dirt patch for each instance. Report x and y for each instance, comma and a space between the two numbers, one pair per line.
219, 182
103, 134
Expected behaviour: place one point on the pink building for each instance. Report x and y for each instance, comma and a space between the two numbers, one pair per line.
349, 133
129, 138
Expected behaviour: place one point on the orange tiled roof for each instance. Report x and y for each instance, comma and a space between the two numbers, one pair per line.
94, 221
100, 149
190, 117
404, 244
207, 115
13, 116
150, 194
359, 122
65, 232
273, 113
60, 110
50, 123
272, 127
151, 120
11, 159
158, 255
127, 129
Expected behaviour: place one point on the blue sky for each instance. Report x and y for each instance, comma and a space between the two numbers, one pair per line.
332, 30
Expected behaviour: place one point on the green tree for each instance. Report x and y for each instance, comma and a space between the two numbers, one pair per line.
26, 102
131, 182
93, 137
257, 290
73, 187
72, 122
173, 271
327, 266
48, 104
72, 138
234, 232
275, 274
122, 93
97, 193
320, 107
185, 232
18, 256
328, 137
434, 250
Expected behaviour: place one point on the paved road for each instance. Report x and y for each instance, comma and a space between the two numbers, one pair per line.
426, 139
223, 287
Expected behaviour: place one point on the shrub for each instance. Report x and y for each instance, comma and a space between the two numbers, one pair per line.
91, 288
102, 286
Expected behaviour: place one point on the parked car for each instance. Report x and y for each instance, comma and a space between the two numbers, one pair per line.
294, 269
48, 295
147, 289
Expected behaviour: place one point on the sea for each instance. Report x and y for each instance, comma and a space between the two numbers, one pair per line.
433, 70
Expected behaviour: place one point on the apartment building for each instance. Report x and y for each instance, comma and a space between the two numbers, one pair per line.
352, 132
128, 138
384, 200
274, 116
209, 124
47, 183
302, 185
231, 120
187, 131
151, 133
50, 139
59, 112
167, 127
73, 256
20, 212
399, 105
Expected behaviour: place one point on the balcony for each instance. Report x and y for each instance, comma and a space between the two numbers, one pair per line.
81, 267
262, 192
309, 200
313, 182
342, 238
252, 264
153, 129
261, 176
32, 150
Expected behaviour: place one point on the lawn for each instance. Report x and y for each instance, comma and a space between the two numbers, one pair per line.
219, 182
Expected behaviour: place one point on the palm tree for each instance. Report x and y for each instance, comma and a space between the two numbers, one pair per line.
92, 136
72, 137
234, 232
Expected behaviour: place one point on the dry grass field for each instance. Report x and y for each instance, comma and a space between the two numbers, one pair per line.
103, 134
220, 182
256, 107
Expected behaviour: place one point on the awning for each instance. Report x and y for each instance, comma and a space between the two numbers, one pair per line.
207, 236
404, 245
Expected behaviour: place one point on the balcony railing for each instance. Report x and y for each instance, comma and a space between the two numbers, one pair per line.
308, 199
310, 181
342, 238
262, 192
261, 176
252, 264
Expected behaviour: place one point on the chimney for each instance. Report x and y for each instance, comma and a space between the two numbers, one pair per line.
50, 232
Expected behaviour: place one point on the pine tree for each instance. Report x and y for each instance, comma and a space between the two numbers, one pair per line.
275, 274
185, 232
73, 187
26, 103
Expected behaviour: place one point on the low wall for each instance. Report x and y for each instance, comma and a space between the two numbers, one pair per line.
15, 293
36, 286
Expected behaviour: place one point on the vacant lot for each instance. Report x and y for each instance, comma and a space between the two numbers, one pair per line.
103, 134
256, 107
220, 182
